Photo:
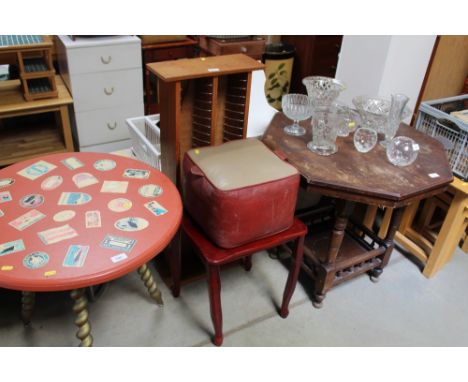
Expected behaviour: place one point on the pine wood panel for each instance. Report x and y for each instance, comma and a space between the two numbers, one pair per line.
203, 67
13, 103
449, 68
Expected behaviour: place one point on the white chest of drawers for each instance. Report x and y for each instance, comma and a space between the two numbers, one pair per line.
104, 75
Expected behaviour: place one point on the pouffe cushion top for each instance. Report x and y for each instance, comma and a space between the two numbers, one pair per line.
240, 163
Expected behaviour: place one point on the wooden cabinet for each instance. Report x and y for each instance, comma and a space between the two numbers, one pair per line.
162, 51
253, 47
315, 56
105, 77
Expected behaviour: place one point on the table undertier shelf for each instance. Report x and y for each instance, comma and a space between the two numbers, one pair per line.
353, 257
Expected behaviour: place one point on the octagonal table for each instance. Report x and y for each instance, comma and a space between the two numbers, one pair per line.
74, 220
350, 248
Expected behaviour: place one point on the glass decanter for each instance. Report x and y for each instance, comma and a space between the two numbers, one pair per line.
323, 91
395, 116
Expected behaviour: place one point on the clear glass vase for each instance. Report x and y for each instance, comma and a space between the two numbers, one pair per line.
324, 131
395, 116
323, 91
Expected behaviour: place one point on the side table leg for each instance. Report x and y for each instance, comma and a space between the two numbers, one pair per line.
394, 224
148, 279
325, 274
295, 267
247, 262
27, 306
214, 289
80, 308
175, 257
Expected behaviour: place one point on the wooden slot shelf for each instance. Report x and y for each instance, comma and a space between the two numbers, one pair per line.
29, 129
22, 140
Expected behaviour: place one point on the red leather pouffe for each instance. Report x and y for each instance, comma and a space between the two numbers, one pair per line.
239, 191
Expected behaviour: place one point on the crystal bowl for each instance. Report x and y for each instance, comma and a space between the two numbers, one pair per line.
374, 111
402, 151
323, 90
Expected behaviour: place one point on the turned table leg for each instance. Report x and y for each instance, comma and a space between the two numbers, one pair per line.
325, 278
27, 307
148, 279
389, 243
81, 310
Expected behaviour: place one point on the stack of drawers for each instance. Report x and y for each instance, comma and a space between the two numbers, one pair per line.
104, 75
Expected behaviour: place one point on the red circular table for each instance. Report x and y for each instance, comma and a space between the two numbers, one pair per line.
74, 220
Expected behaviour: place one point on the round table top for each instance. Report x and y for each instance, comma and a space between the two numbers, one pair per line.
74, 220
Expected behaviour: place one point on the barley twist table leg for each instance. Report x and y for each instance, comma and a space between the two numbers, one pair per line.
148, 279
80, 308
27, 306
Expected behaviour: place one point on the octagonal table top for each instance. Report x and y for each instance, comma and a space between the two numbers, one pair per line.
363, 177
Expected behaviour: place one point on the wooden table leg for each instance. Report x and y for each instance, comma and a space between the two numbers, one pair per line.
66, 127
81, 311
147, 278
324, 280
389, 243
27, 306
214, 289
295, 267
175, 262
454, 225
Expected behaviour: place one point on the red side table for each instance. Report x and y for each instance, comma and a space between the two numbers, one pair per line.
75, 220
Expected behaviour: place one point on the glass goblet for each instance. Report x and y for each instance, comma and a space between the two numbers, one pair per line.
297, 107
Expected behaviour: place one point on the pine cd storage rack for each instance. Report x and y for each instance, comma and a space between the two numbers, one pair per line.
34, 58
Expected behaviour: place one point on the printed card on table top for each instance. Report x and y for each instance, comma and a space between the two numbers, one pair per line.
26, 220
136, 173
73, 198
84, 179
54, 235
72, 163
155, 208
6, 182
118, 243
36, 170
76, 255
114, 186
93, 219
5, 196
11, 247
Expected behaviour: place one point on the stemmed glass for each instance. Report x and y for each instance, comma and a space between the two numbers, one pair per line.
297, 107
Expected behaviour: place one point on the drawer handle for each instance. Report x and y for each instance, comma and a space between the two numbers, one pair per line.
243, 49
112, 127
109, 92
104, 61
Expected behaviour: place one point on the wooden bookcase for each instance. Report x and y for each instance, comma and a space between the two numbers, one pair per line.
203, 101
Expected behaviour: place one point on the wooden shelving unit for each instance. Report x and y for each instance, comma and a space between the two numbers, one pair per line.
203, 101
20, 141
34, 58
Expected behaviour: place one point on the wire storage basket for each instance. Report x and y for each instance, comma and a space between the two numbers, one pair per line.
436, 118
145, 135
